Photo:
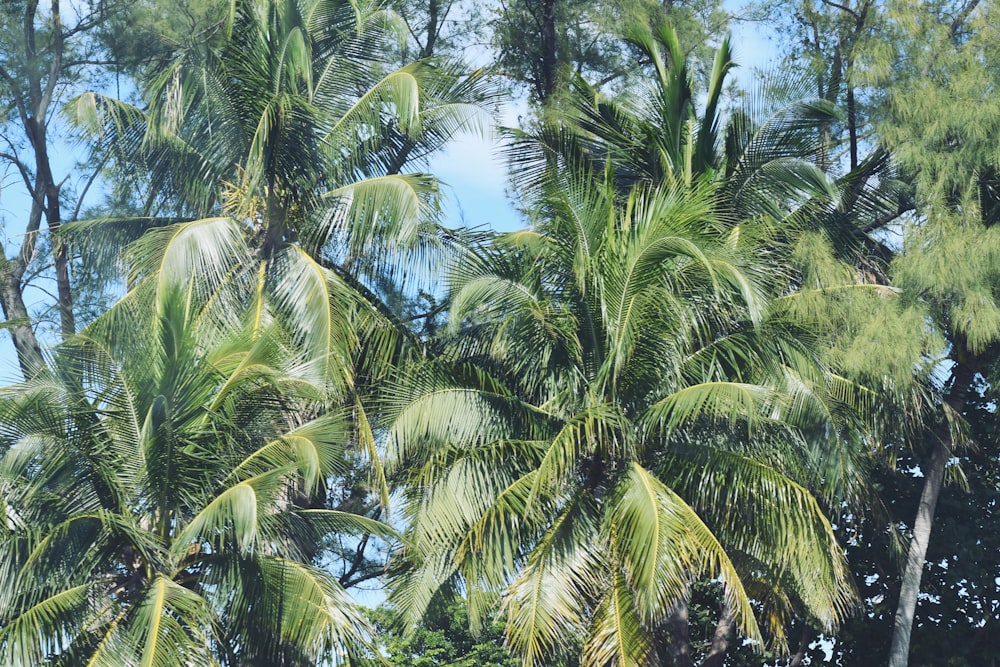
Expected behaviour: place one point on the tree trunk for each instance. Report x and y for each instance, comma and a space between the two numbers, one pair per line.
432, 29
29, 353
549, 57
899, 650
852, 125
910, 587
720, 640
49, 190
680, 641
800, 654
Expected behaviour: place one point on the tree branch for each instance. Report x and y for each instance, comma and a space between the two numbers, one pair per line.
25, 175
959, 21
844, 8
884, 220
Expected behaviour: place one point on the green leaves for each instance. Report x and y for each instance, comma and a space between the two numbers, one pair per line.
617, 637
663, 544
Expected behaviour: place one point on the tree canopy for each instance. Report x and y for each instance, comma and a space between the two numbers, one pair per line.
726, 397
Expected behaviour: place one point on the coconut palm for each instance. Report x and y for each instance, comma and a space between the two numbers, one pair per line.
158, 493
291, 121
617, 415
289, 124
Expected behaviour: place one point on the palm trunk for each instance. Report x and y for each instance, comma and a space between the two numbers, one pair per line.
720, 640
677, 627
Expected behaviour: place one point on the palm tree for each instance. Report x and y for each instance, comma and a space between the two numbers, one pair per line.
158, 485
765, 153
289, 125
769, 162
291, 121
618, 414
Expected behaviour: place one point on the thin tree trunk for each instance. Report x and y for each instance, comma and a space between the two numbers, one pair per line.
41, 88
433, 28
800, 654
547, 80
910, 588
852, 125
909, 591
45, 184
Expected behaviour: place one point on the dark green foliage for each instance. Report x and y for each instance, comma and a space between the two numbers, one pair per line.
442, 639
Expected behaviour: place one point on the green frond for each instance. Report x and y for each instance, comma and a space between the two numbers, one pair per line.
600, 431
314, 450
616, 637
45, 628
757, 509
544, 605
156, 632
449, 415
366, 437
199, 252
379, 210
399, 90
235, 512
310, 300
727, 401
316, 612
664, 545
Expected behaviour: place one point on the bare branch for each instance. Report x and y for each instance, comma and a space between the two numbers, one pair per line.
843, 8
960, 19
25, 175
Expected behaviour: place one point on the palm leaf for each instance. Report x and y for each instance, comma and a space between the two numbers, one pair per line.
663, 545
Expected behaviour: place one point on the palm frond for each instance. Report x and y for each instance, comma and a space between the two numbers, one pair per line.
664, 544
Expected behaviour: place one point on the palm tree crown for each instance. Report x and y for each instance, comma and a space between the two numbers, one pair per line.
619, 413
158, 487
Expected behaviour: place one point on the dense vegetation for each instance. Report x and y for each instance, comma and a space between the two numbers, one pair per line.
727, 398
